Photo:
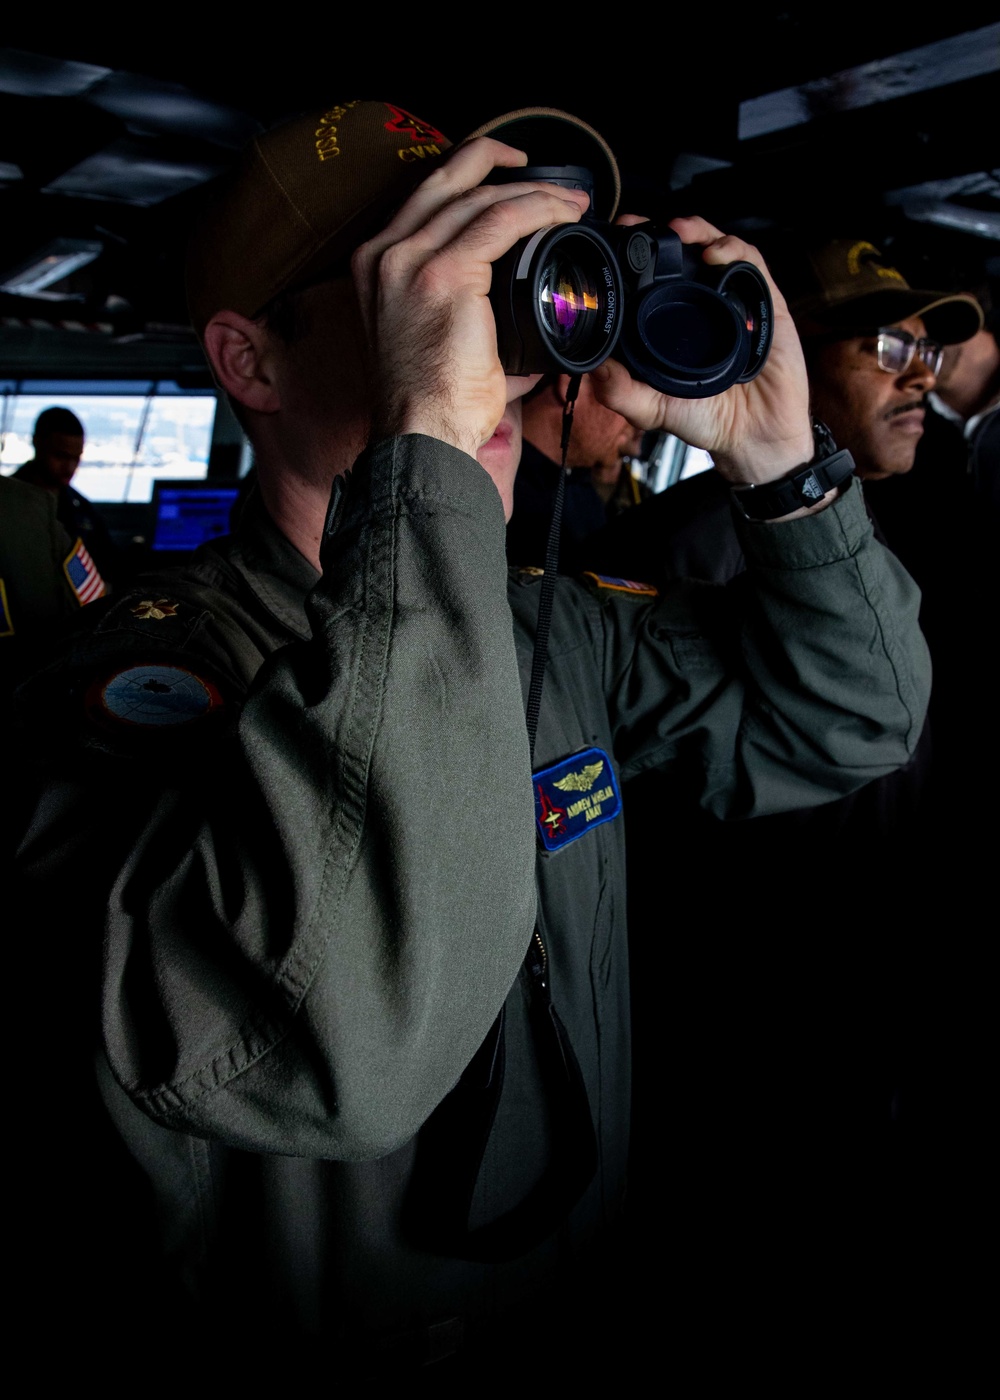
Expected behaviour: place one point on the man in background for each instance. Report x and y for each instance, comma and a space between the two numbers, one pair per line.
967, 400
58, 440
37, 593
599, 486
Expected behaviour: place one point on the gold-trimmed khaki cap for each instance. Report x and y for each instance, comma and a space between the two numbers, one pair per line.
847, 285
299, 200
306, 193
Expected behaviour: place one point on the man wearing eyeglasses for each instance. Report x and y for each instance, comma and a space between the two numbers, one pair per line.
873, 349
873, 387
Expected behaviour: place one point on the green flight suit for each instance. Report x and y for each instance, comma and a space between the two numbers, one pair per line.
36, 596
317, 873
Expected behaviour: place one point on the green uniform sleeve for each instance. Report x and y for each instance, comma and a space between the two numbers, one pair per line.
310, 929
34, 548
796, 683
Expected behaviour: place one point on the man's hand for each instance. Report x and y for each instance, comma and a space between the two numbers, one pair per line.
755, 432
423, 287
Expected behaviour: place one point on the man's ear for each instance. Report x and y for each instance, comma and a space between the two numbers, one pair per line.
241, 356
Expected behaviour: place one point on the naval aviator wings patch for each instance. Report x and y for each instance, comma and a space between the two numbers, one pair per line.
573, 796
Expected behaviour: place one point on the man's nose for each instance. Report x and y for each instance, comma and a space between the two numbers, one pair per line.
919, 376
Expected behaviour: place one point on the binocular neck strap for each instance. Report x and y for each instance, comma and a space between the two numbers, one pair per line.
541, 651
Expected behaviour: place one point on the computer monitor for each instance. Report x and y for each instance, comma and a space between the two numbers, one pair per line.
187, 514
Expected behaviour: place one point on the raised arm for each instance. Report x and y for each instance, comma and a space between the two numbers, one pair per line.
808, 676
800, 681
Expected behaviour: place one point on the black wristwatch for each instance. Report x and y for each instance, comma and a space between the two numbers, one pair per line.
804, 486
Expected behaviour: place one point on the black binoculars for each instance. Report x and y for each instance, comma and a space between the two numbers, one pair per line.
569, 296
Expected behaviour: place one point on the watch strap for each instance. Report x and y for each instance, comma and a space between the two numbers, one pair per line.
803, 487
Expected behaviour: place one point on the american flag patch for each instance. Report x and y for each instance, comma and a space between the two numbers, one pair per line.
624, 585
82, 573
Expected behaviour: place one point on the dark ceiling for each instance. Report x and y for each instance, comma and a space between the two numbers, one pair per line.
883, 129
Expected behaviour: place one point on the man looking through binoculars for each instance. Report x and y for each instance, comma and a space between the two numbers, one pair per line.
365, 982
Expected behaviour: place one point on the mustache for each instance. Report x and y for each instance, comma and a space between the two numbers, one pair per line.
906, 408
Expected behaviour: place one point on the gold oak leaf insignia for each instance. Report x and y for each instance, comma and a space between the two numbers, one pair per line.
162, 608
582, 781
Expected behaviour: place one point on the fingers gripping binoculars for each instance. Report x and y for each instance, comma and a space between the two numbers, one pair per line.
570, 296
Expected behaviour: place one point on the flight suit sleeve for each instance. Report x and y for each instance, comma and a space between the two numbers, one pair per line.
35, 588
797, 682
311, 924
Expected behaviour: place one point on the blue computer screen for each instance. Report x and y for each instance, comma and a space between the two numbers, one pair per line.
188, 515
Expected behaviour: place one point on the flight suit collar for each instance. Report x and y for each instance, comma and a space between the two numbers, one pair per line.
277, 573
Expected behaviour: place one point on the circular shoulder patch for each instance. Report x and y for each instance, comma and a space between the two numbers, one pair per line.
153, 697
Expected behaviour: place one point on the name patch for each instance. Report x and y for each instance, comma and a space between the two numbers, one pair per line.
573, 796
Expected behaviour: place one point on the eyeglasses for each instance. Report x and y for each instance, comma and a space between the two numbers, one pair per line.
896, 350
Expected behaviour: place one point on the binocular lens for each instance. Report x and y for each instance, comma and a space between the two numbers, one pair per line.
573, 302
557, 298
695, 332
570, 295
